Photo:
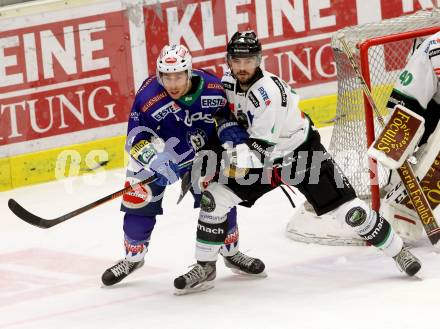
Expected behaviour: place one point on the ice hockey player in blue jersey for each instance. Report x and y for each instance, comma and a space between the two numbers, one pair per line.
173, 116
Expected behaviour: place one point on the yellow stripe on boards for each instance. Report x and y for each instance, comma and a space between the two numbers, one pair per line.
73, 160
321, 110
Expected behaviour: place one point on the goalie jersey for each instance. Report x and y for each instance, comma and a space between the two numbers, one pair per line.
269, 111
418, 85
189, 120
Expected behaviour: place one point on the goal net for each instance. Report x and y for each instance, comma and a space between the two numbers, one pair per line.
381, 50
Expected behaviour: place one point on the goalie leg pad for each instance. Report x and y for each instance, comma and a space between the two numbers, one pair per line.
397, 205
370, 226
404, 220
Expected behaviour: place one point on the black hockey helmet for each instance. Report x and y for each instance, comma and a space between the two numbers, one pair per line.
244, 44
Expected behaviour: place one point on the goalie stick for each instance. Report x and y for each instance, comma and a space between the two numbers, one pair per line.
406, 173
37, 221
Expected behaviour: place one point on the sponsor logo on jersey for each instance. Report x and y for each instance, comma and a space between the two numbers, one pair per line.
212, 101
254, 99
282, 91
430, 43
196, 139
215, 86
228, 85
265, 96
188, 98
137, 198
207, 203
406, 77
232, 237
134, 116
132, 248
153, 100
198, 116
215, 231
168, 108
434, 52
260, 149
377, 230
211, 219
143, 151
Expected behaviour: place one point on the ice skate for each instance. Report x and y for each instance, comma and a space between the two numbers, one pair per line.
245, 265
407, 262
119, 271
199, 278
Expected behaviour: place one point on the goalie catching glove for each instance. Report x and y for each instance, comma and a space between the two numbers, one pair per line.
162, 164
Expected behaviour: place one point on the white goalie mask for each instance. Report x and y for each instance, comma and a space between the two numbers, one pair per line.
173, 58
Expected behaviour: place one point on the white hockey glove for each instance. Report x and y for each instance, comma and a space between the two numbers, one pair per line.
162, 164
239, 160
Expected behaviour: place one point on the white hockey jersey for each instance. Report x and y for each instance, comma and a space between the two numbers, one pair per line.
420, 78
269, 110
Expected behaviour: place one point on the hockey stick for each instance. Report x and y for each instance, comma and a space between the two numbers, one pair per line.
35, 220
185, 185
288, 196
406, 173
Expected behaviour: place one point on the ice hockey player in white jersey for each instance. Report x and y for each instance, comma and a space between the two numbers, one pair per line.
283, 148
417, 88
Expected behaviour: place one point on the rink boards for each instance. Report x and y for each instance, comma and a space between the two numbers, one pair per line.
70, 69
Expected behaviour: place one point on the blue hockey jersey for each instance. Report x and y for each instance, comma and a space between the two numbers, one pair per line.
189, 121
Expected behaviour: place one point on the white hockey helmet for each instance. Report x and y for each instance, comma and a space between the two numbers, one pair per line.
174, 58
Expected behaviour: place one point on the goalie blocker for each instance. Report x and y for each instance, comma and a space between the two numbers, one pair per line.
398, 138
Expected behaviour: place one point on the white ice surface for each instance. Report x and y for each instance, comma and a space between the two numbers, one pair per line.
51, 278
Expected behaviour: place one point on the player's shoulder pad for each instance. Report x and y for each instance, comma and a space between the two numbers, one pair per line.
150, 83
259, 94
271, 89
151, 95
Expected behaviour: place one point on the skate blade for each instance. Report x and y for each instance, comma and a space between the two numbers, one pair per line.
417, 277
199, 288
240, 272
